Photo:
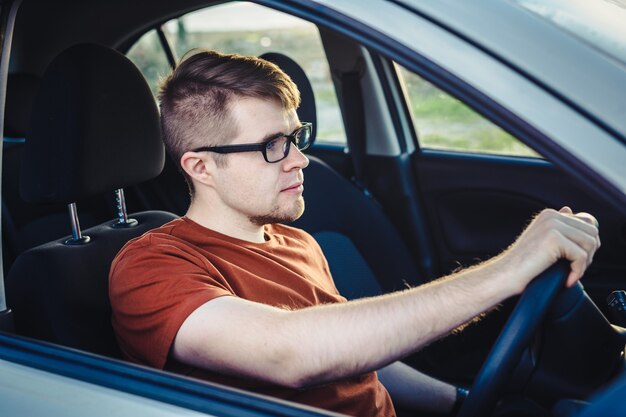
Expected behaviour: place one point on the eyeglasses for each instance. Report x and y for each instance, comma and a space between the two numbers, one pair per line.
274, 149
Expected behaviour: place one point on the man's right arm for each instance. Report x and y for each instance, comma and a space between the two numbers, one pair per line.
330, 342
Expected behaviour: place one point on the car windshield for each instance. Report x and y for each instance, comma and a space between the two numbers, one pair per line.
600, 23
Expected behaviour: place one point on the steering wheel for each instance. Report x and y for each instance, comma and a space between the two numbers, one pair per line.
515, 336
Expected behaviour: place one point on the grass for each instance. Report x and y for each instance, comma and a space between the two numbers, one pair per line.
485, 141
443, 122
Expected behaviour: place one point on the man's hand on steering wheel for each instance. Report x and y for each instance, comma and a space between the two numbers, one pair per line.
554, 235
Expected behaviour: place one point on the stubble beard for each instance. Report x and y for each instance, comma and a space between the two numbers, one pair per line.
278, 216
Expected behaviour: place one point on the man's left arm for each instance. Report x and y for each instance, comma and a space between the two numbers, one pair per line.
412, 390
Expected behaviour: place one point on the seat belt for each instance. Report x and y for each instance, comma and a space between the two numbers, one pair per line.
354, 114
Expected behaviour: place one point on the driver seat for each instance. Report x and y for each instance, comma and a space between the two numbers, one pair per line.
95, 128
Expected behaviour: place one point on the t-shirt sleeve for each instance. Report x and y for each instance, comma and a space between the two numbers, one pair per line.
154, 286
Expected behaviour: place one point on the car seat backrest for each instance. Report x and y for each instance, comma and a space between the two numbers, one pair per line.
364, 250
365, 253
20, 95
21, 92
94, 129
27, 225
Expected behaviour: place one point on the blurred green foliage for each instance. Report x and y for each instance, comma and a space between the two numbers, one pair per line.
443, 122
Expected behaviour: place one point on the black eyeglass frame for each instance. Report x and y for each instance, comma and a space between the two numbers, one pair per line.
262, 147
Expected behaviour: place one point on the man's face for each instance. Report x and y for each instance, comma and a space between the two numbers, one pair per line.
251, 189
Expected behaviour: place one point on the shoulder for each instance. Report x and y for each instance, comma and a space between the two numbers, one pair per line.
163, 233
166, 240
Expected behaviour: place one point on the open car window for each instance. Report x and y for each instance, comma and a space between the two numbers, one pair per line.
443, 122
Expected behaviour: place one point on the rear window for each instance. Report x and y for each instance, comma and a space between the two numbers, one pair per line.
247, 29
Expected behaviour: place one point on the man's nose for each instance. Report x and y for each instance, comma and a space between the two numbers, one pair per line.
295, 159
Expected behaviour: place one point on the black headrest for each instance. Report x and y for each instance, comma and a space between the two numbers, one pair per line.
94, 128
306, 111
21, 91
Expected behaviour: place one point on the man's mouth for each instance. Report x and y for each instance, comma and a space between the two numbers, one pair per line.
294, 187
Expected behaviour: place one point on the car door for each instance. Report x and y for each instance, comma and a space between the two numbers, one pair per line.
480, 186
477, 197
463, 188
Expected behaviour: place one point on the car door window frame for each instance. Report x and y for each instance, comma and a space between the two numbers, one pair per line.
153, 384
8, 14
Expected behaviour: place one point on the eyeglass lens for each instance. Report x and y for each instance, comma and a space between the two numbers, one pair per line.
278, 149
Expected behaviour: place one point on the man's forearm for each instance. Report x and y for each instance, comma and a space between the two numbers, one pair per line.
330, 342
336, 341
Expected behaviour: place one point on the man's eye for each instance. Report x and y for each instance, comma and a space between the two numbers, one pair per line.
271, 144
274, 143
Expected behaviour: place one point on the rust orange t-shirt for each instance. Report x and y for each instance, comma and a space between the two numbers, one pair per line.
160, 278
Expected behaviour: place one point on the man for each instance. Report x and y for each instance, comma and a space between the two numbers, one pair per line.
229, 294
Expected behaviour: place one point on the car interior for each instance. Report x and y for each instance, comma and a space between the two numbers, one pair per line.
388, 210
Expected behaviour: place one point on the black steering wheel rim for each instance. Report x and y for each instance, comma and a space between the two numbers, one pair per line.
514, 337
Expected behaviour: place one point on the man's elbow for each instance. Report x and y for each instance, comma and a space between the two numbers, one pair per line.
293, 371
298, 368
291, 357
295, 381
308, 377
300, 380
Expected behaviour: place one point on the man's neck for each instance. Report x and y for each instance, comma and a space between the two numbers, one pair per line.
225, 223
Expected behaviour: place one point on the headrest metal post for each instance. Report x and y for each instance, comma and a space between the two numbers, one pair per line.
120, 200
122, 215
77, 236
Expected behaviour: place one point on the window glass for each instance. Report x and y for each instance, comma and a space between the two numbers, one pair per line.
149, 56
249, 29
443, 122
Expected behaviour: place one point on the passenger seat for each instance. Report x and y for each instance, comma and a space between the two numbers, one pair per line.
366, 254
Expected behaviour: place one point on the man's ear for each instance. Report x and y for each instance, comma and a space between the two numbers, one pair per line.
198, 166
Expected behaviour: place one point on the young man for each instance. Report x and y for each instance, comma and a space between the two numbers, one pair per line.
230, 295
